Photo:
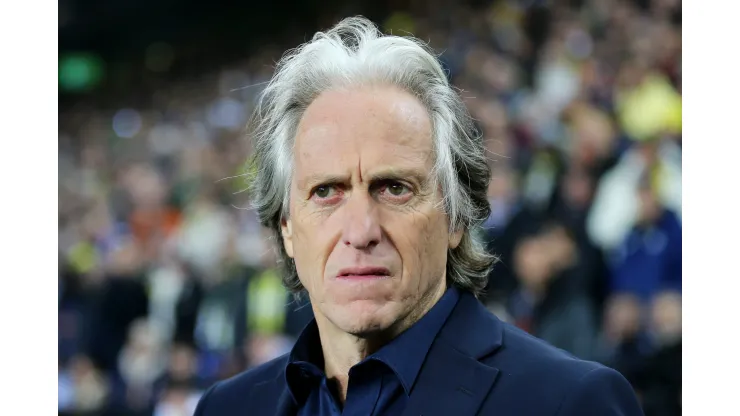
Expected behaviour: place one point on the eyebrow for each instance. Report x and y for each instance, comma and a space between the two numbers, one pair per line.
320, 178
399, 174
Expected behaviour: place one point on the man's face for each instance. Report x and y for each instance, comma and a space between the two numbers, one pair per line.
365, 227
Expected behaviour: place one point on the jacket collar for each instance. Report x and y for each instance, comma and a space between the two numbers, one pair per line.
452, 373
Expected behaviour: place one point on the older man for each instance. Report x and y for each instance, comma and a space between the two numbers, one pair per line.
369, 171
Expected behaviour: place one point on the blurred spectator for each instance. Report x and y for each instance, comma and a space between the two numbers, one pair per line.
205, 231
151, 220
180, 386
121, 299
167, 281
269, 317
661, 377
649, 259
645, 346
551, 303
616, 207
625, 344
83, 388
141, 363
177, 400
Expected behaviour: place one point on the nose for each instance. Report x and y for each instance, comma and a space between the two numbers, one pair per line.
361, 225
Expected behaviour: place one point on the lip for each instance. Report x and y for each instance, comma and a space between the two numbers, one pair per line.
363, 272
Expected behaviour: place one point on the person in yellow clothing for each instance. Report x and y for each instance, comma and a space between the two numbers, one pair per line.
649, 109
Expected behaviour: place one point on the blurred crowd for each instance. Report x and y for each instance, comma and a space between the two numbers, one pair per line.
167, 283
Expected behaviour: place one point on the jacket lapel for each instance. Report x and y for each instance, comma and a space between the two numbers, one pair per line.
273, 391
285, 405
452, 380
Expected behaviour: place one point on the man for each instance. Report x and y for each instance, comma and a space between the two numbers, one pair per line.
370, 173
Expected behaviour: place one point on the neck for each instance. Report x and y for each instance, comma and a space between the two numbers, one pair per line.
343, 350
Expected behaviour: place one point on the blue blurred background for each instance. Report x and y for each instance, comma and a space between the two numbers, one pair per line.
167, 282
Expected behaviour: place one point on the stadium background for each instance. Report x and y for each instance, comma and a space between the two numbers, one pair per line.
167, 282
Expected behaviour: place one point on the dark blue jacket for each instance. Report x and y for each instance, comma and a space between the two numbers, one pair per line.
477, 365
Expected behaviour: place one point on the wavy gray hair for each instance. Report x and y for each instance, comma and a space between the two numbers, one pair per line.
355, 53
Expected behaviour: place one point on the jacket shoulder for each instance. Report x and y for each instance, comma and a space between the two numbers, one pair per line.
525, 354
234, 393
537, 378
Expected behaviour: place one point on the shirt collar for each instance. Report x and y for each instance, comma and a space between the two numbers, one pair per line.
404, 355
305, 367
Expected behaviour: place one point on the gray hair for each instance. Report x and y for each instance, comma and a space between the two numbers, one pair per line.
356, 53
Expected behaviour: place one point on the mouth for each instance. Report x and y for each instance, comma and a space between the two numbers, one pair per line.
368, 272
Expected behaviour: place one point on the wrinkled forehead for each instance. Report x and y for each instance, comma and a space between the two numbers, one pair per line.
363, 129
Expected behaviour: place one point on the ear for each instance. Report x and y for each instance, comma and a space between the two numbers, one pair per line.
455, 238
286, 229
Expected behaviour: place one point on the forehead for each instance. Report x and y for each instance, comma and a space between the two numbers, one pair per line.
367, 127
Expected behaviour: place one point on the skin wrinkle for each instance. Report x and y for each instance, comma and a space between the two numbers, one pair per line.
354, 137
374, 61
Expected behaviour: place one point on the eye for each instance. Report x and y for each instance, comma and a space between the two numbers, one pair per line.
395, 190
327, 193
324, 191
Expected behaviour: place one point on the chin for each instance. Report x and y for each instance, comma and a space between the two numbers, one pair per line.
364, 318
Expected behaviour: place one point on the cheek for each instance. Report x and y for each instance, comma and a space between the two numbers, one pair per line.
424, 247
313, 242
